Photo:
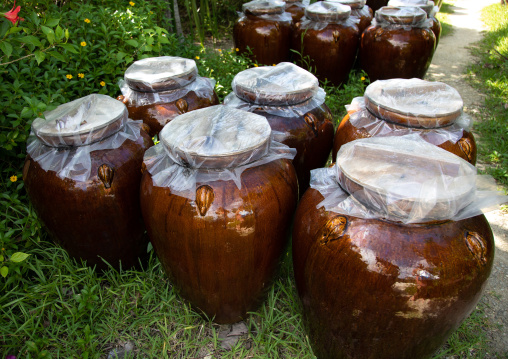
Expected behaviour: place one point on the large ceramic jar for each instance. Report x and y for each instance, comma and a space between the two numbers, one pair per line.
427, 6
398, 44
218, 195
294, 105
390, 250
397, 107
263, 31
82, 174
157, 89
359, 10
296, 8
327, 39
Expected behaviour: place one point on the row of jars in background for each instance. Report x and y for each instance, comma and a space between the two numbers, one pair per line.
218, 194
398, 43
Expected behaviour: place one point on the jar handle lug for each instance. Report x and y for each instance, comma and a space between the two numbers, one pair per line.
277, 27
204, 198
336, 36
105, 174
145, 127
334, 229
311, 120
476, 245
466, 148
182, 106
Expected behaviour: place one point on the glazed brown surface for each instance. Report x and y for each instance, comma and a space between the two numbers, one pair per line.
436, 28
97, 218
365, 19
379, 289
331, 51
396, 53
268, 40
221, 251
296, 11
158, 115
465, 147
312, 138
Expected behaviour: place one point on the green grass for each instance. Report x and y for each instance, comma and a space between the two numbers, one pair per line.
442, 16
490, 76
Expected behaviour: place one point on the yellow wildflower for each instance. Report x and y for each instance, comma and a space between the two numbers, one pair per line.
362, 78
219, 50
131, 3
87, 21
14, 178
81, 75
274, 65
69, 76
102, 83
255, 65
197, 57
237, 49
83, 43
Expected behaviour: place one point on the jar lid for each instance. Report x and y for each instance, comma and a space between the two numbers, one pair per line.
217, 137
284, 84
414, 102
264, 7
353, 4
327, 11
162, 73
81, 122
404, 15
425, 5
403, 178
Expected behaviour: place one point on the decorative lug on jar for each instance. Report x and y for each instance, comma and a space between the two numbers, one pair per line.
294, 105
397, 107
427, 6
265, 28
157, 89
391, 251
328, 37
218, 196
398, 44
296, 8
82, 174
359, 10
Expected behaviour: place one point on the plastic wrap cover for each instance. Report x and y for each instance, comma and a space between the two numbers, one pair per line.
403, 179
211, 144
360, 117
284, 84
298, 110
353, 4
427, 6
414, 102
81, 122
202, 86
308, 23
75, 162
303, 3
406, 17
272, 10
162, 73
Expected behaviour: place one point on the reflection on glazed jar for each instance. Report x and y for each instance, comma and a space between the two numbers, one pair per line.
398, 44
327, 39
296, 8
82, 175
373, 287
293, 103
359, 10
157, 89
263, 31
218, 196
397, 107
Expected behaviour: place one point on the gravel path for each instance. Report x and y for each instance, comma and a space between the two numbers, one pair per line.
448, 65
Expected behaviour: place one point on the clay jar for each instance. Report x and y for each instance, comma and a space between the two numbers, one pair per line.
82, 175
218, 196
296, 8
292, 102
379, 288
432, 110
429, 8
398, 44
158, 89
359, 10
328, 38
264, 28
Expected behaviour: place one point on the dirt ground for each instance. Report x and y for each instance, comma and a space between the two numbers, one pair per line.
448, 65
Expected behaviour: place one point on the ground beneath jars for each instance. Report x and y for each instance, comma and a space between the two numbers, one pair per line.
449, 65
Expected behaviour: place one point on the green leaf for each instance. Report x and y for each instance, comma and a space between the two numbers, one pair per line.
19, 257
163, 40
1, 258
57, 55
46, 30
39, 56
69, 48
14, 29
67, 34
52, 22
59, 33
149, 41
4, 271
6, 48
132, 43
31, 40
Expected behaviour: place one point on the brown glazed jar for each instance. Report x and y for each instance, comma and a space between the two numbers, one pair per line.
218, 195
429, 8
265, 28
373, 287
294, 105
82, 175
398, 44
327, 38
398, 107
359, 10
296, 8
157, 89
